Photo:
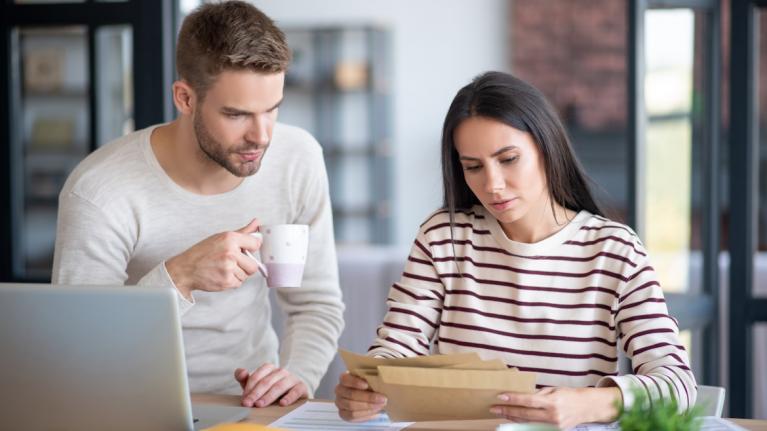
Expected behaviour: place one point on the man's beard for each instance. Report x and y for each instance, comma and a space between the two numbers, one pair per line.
214, 151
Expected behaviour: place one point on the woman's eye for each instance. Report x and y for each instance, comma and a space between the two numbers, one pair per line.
471, 168
509, 160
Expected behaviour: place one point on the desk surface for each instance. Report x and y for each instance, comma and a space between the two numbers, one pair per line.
270, 414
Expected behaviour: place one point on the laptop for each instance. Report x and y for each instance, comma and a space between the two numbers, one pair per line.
96, 358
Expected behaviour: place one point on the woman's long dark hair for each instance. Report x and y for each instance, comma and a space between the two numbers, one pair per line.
502, 97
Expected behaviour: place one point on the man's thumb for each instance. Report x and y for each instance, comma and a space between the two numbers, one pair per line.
250, 227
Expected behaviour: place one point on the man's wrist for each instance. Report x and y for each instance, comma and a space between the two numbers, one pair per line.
177, 277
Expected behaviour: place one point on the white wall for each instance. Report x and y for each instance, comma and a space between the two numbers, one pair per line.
438, 46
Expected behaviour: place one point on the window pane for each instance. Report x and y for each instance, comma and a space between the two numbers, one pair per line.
671, 178
114, 98
54, 137
760, 260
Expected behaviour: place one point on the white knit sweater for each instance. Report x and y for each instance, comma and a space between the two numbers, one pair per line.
121, 217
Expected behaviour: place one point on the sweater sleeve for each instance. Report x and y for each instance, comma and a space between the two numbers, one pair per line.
650, 338
315, 310
414, 307
93, 247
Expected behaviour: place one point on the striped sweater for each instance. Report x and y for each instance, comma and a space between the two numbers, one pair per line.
561, 307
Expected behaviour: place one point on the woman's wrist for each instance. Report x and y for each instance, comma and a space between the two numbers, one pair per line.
604, 403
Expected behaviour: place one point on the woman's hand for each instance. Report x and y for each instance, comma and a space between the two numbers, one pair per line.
563, 407
355, 400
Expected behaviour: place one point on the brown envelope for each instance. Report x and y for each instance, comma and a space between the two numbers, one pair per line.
448, 391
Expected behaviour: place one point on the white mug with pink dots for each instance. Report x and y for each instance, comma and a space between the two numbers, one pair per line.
283, 253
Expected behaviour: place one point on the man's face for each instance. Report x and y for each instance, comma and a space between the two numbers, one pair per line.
234, 123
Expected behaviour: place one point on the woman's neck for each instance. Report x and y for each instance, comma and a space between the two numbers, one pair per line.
539, 223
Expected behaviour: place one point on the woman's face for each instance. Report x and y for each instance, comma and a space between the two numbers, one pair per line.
503, 167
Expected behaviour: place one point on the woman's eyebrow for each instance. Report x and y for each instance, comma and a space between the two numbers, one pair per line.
501, 151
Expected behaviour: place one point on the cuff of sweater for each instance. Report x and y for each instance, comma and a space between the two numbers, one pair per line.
627, 385
159, 276
296, 371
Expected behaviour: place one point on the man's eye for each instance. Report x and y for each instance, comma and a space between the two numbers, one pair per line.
234, 116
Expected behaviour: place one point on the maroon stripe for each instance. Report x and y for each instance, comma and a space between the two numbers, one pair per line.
660, 392
554, 258
646, 316
644, 286
527, 287
609, 226
395, 341
423, 248
610, 237
466, 213
532, 272
469, 225
526, 352
437, 295
636, 304
676, 394
684, 386
646, 268
649, 331
402, 327
414, 314
421, 277
649, 394
680, 365
565, 372
519, 319
527, 336
525, 304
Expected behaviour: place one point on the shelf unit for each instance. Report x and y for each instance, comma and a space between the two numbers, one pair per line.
338, 88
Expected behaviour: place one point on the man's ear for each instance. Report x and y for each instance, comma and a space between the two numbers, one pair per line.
184, 97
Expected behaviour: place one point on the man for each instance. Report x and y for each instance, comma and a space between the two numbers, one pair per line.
174, 204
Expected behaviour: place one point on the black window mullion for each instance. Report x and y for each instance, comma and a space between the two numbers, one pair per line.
93, 112
742, 226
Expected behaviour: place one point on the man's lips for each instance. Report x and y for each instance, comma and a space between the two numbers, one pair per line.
250, 156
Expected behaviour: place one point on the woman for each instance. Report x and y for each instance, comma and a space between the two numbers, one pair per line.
521, 265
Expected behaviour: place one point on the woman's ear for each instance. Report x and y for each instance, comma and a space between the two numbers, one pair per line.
184, 97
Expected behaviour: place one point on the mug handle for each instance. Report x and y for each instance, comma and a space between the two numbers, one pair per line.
261, 267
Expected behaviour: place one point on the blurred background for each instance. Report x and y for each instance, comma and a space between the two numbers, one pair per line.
662, 98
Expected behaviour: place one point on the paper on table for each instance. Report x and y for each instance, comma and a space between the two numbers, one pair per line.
324, 416
710, 423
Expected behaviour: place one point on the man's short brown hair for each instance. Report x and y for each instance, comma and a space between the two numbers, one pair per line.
230, 35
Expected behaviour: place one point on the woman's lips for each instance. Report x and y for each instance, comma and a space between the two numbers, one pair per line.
503, 204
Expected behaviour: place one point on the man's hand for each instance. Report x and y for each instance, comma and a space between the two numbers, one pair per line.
268, 384
216, 263
355, 400
563, 407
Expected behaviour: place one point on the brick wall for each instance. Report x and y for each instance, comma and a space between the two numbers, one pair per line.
575, 52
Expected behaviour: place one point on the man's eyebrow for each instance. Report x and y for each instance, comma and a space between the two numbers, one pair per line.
233, 110
501, 151
277, 105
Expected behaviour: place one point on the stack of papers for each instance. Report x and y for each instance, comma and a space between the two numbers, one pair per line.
439, 387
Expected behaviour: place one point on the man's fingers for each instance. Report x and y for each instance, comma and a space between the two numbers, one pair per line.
241, 375
250, 227
246, 264
299, 391
276, 390
256, 376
